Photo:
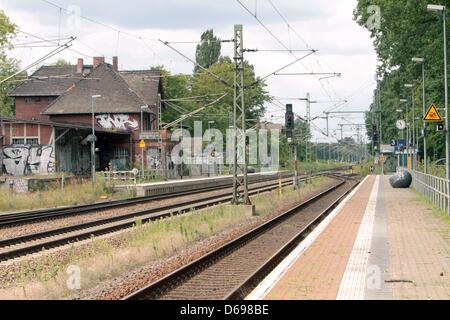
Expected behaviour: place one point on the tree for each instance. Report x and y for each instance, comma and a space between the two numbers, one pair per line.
175, 87
255, 96
61, 63
7, 66
208, 51
406, 30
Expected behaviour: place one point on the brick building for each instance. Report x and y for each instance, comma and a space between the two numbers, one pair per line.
54, 118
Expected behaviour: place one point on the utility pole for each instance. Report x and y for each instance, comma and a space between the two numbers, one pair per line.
308, 121
240, 183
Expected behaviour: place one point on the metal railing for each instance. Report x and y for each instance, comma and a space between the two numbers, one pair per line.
434, 188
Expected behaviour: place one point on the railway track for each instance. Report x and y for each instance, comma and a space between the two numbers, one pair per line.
24, 245
45, 214
234, 269
39, 215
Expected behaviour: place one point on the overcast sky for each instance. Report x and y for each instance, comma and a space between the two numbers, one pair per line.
325, 25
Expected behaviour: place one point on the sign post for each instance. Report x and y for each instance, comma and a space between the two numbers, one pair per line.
142, 146
382, 160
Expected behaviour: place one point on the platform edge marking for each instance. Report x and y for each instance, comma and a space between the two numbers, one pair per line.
353, 283
264, 288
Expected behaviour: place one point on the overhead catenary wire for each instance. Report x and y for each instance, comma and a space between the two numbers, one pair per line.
279, 41
45, 57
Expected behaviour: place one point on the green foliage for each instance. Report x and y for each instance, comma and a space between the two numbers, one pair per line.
7, 31
255, 96
61, 63
208, 51
203, 84
407, 30
7, 66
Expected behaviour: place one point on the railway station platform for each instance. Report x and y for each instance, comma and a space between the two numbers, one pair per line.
380, 243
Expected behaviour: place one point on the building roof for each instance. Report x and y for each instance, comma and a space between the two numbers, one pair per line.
48, 81
64, 125
122, 92
146, 83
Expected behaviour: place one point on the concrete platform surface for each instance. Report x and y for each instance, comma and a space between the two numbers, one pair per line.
381, 243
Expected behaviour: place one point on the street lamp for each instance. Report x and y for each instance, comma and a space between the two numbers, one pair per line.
93, 138
407, 129
443, 10
424, 133
411, 134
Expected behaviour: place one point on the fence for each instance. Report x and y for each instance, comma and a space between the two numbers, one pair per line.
434, 188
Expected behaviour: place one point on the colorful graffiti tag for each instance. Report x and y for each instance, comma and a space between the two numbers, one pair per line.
26, 160
117, 121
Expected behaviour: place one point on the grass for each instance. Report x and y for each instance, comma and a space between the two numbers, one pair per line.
441, 214
46, 278
73, 194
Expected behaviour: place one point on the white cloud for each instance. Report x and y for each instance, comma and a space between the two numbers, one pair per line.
326, 25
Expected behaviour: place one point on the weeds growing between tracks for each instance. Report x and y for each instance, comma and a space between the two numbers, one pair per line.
106, 258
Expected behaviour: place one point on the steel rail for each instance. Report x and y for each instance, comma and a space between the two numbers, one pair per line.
123, 222
20, 217
164, 285
37, 215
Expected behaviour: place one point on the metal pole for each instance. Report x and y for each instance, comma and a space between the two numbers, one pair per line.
308, 119
447, 141
93, 145
239, 121
295, 168
142, 149
413, 131
425, 160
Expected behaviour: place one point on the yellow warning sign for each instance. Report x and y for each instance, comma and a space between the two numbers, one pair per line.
382, 158
432, 114
142, 144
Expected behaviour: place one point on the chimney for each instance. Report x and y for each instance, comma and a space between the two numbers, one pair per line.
98, 60
80, 66
115, 61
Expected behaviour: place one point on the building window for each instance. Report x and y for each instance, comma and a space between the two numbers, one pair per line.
121, 153
18, 141
27, 100
25, 141
32, 141
37, 99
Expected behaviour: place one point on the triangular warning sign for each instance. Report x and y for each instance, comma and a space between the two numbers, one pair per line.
432, 114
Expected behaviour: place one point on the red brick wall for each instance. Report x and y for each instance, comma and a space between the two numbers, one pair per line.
31, 108
44, 132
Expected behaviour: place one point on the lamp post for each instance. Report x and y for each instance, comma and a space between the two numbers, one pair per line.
407, 127
94, 138
400, 111
142, 130
412, 133
443, 11
209, 129
424, 130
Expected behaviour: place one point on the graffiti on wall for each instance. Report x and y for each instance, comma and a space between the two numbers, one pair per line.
153, 159
117, 121
25, 160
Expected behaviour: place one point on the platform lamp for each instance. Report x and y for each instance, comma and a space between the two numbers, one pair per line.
424, 130
143, 108
411, 133
93, 138
407, 124
400, 111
